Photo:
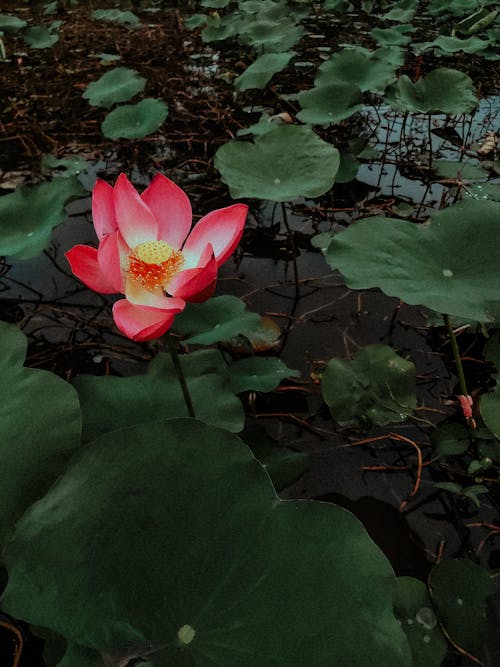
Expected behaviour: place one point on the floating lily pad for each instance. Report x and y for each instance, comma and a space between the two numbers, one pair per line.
215, 320
482, 191
39, 428
329, 103
135, 121
65, 166
258, 374
118, 85
414, 609
357, 66
110, 402
449, 264
376, 387
466, 171
268, 35
172, 533
284, 164
126, 18
441, 91
395, 36
42, 37
260, 72
401, 11
9, 23
459, 589
447, 44
28, 215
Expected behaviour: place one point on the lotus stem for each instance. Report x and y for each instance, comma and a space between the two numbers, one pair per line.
172, 348
456, 355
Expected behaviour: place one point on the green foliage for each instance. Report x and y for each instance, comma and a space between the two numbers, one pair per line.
117, 85
403, 10
448, 45
173, 535
329, 103
469, 492
414, 609
376, 387
466, 171
42, 37
64, 167
394, 36
476, 22
286, 163
28, 215
126, 18
109, 402
135, 121
450, 439
459, 589
441, 91
39, 428
215, 320
258, 374
260, 72
490, 402
448, 264
9, 23
368, 70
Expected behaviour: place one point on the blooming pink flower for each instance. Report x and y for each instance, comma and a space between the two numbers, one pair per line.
148, 252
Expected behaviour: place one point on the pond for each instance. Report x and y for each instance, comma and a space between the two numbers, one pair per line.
365, 144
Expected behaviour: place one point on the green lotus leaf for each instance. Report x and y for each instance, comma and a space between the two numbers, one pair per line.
173, 535
449, 264
477, 21
477, 191
260, 72
270, 36
466, 171
215, 320
376, 387
258, 374
110, 402
454, 44
357, 66
215, 4
28, 215
126, 18
450, 439
218, 28
195, 21
64, 167
414, 609
9, 23
459, 589
490, 402
284, 164
41, 37
441, 91
404, 10
135, 121
348, 168
395, 36
39, 428
329, 103
117, 85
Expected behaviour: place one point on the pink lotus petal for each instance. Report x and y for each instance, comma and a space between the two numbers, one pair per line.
136, 222
103, 209
108, 258
222, 228
138, 295
143, 322
195, 285
84, 264
171, 208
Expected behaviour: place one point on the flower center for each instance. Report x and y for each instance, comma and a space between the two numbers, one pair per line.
154, 263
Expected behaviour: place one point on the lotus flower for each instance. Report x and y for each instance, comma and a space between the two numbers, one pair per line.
148, 252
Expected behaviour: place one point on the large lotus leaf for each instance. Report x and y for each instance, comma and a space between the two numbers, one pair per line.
401, 11
118, 85
284, 164
490, 402
169, 536
40, 426
465, 171
260, 72
451, 264
110, 402
28, 215
359, 67
394, 36
459, 590
454, 44
267, 34
215, 320
135, 121
441, 91
329, 103
376, 387
414, 609
9, 23
258, 374
116, 16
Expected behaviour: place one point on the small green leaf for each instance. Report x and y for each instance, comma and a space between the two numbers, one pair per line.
284, 164
459, 589
195, 21
450, 439
28, 215
135, 121
9, 23
215, 320
66, 166
329, 103
465, 171
260, 72
41, 37
258, 374
117, 85
376, 387
126, 18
